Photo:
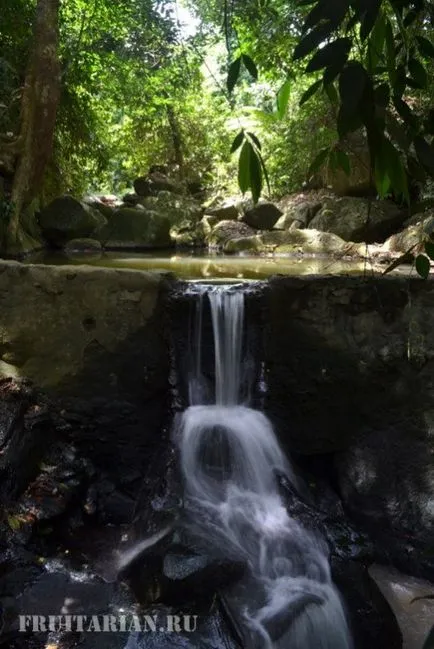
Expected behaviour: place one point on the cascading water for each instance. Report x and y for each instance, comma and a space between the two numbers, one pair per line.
230, 460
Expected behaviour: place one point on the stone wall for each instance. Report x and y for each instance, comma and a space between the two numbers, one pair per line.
96, 343
350, 368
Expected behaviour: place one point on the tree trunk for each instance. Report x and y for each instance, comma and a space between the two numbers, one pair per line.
39, 104
177, 140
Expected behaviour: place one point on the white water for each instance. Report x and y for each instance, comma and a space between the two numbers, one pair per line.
230, 458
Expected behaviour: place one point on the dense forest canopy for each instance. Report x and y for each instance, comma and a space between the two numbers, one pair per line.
93, 93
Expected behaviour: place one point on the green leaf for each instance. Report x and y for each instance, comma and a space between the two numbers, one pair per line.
370, 18
330, 54
390, 52
343, 161
233, 74
422, 266
429, 249
378, 36
425, 154
311, 41
256, 142
332, 93
255, 175
310, 92
319, 161
352, 83
283, 98
237, 142
426, 47
250, 66
395, 169
382, 180
397, 132
244, 167
418, 73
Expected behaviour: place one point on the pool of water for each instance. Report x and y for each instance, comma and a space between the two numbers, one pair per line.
189, 266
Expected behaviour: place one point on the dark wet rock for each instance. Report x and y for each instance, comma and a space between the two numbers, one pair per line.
262, 216
371, 618
131, 227
221, 233
26, 430
66, 218
188, 576
87, 246
229, 210
131, 198
212, 631
59, 485
348, 218
298, 215
113, 505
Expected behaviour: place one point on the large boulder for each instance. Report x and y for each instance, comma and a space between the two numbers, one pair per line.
292, 241
67, 218
178, 209
133, 228
229, 210
87, 246
262, 216
226, 230
298, 216
155, 182
419, 227
358, 219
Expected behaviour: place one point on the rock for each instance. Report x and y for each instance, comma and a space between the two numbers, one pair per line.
131, 199
66, 218
372, 621
187, 575
87, 246
142, 186
406, 595
298, 216
188, 235
348, 218
292, 241
262, 216
209, 630
156, 182
180, 210
226, 230
133, 228
227, 211
25, 429
387, 483
412, 238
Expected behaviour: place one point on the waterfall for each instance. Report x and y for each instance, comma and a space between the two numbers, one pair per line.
230, 460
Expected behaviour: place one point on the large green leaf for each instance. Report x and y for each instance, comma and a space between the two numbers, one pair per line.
319, 161
311, 41
343, 161
234, 73
330, 55
423, 268
310, 92
369, 18
244, 167
237, 142
425, 154
250, 66
352, 83
426, 47
283, 98
418, 73
395, 168
255, 175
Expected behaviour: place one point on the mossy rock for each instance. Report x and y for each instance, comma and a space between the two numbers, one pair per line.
133, 228
67, 218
